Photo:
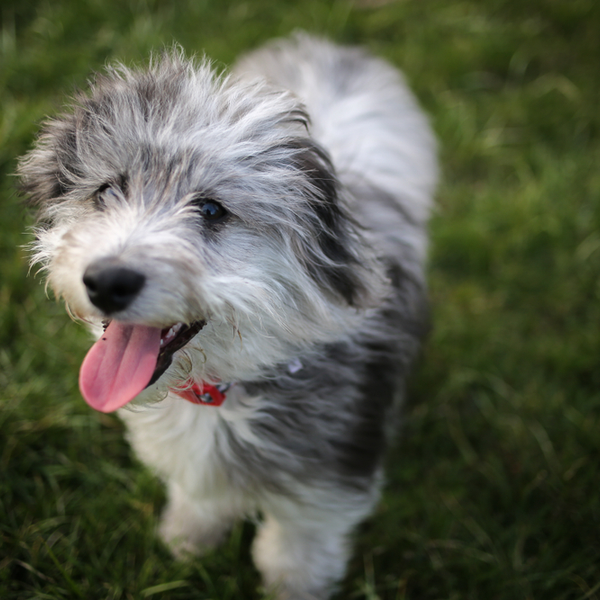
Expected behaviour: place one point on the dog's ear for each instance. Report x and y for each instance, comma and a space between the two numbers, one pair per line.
334, 253
48, 171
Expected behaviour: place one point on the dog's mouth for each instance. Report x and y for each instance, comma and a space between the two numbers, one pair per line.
127, 359
173, 339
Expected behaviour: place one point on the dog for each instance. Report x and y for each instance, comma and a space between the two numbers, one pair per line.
249, 250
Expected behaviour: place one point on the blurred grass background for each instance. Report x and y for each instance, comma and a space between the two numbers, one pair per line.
493, 491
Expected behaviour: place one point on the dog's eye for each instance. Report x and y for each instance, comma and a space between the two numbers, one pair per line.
211, 210
103, 196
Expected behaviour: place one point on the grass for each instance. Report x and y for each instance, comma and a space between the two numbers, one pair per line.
493, 487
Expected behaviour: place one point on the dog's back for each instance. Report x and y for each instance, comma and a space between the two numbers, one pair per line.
367, 119
384, 155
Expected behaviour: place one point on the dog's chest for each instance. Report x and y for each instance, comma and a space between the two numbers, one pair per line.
185, 443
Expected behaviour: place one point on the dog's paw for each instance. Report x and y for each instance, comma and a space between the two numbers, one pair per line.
298, 564
191, 529
186, 539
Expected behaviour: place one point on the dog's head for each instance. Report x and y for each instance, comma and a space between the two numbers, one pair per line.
196, 216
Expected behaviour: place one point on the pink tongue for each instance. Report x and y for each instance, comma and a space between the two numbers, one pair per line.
119, 365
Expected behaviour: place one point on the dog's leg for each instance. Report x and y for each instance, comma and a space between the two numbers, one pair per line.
301, 550
190, 527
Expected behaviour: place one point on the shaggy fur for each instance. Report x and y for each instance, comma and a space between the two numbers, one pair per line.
308, 284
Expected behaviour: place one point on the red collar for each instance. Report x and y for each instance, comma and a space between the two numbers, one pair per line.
214, 395
204, 393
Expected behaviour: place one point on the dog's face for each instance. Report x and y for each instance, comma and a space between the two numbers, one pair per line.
195, 215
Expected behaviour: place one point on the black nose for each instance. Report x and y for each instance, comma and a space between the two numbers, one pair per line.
110, 286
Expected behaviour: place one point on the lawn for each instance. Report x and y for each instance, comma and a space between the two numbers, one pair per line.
493, 488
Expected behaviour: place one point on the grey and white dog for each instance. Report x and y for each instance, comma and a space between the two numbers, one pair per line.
253, 244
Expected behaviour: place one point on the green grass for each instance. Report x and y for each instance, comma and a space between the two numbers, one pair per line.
493, 487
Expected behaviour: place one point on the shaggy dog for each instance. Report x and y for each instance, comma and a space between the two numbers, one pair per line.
249, 251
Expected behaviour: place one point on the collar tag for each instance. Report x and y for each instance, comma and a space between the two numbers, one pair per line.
294, 366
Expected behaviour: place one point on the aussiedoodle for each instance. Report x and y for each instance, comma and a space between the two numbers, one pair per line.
248, 250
